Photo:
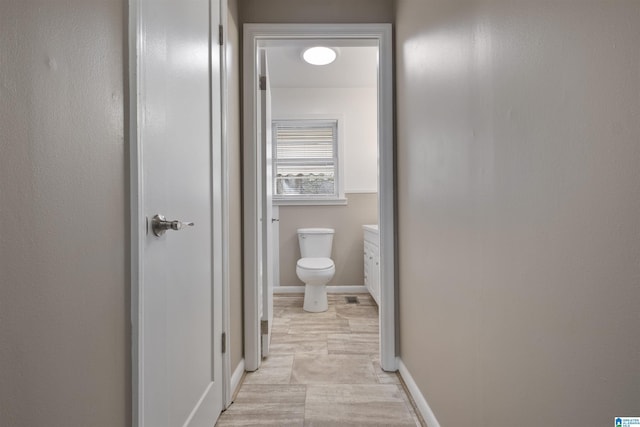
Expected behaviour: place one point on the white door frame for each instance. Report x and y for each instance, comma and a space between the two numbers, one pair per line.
254, 36
224, 180
220, 193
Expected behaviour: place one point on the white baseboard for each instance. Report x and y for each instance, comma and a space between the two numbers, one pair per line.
237, 377
355, 289
418, 398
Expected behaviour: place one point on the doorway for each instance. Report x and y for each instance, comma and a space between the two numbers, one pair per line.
256, 286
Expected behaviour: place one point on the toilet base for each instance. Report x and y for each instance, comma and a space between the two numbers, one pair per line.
315, 298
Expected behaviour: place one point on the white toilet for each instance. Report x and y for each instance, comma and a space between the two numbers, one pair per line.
316, 267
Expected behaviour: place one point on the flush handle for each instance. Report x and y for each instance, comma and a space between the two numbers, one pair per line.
160, 225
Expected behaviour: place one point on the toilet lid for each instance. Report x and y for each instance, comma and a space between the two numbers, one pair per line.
315, 263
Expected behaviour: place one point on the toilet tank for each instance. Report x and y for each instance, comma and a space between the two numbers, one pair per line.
315, 242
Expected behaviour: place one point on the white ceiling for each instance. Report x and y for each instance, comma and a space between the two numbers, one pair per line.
354, 67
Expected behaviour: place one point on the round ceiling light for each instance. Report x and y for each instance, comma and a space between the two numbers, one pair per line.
319, 55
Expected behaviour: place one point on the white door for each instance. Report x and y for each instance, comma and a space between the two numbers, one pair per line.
267, 203
179, 310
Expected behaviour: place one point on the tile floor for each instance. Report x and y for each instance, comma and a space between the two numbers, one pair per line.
323, 370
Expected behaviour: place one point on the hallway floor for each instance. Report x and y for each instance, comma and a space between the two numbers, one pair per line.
323, 370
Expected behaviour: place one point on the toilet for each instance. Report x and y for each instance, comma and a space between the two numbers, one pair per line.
316, 267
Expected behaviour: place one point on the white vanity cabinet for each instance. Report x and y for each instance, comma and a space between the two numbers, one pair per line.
372, 261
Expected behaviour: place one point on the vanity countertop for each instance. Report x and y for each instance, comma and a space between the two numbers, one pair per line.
371, 227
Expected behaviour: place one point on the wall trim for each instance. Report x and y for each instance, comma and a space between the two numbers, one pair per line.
236, 379
418, 397
349, 289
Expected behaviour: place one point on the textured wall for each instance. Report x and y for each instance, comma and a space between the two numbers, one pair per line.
235, 185
64, 293
347, 242
519, 232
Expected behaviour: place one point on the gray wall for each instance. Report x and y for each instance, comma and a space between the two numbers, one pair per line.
64, 279
362, 208
235, 187
313, 11
519, 209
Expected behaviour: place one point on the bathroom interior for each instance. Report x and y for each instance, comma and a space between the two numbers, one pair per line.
345, 92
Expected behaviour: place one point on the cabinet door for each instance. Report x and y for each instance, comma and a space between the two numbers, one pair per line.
367, 265
374, 268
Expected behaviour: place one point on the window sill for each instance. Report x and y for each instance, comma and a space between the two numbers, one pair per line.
307, 202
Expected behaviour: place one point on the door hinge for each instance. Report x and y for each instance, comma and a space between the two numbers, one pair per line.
263, 82
220, 34
264, 327
224, 342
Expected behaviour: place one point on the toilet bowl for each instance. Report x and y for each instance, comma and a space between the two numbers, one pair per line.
315, 268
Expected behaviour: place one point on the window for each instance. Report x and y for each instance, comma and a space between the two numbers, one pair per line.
305, 160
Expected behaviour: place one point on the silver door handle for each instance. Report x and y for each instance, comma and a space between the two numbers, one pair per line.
159, 225
275, 220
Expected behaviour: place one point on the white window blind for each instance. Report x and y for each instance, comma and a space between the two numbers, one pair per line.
305, 161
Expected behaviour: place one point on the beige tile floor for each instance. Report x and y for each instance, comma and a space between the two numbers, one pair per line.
323, 370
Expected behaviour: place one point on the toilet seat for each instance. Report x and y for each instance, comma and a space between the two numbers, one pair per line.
315, 264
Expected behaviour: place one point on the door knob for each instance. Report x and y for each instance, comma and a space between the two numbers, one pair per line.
159, 225
275, 220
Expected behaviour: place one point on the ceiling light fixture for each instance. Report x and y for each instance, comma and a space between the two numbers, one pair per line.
319, 55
